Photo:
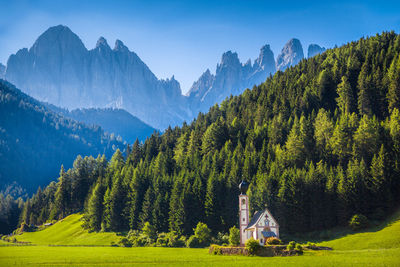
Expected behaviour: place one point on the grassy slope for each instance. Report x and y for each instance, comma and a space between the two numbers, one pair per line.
378, 248
69, 231
388, 237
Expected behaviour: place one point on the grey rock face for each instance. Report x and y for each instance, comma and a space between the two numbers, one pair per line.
314, 49
231, 78
291, 54
59, 69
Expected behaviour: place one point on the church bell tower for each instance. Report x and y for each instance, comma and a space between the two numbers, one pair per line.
243, 212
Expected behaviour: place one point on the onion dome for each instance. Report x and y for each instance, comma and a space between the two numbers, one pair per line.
243, 186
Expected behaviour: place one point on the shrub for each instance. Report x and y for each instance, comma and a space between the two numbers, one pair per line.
162, 240
220, 239
291, 246
193, 242
149, 231
125, 242
273, 241
299, 248
234, 236
181, 242
311, 245
252, 246
358, 221
203, 234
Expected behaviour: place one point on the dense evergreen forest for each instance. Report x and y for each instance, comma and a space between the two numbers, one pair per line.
319, 143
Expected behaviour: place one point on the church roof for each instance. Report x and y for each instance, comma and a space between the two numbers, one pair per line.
268, 234
256, 218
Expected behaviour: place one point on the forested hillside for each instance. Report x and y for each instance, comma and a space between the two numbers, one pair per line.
319, 143
35, 142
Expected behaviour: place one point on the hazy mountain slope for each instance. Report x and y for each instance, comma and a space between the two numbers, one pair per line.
2, 71
117, 121
60, 70
34, 141
314, 49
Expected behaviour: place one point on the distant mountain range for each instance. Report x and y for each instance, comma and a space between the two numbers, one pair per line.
114, 121
58, 69
35, 141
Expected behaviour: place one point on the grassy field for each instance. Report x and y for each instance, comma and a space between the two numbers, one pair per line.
377, 248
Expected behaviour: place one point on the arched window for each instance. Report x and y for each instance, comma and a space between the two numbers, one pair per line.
243, 201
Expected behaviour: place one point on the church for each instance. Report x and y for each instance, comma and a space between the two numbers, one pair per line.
262, 226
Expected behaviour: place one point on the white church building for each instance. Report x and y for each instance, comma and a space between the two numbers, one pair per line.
262, 226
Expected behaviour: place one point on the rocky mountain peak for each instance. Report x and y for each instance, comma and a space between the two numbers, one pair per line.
314, 49
266, 59
102, 42
290, 55
119, 46
229, 58
58, 37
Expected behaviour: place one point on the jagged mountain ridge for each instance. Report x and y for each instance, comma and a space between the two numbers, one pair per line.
233, 77
60, 70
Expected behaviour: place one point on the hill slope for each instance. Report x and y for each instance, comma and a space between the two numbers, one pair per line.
34, 141
388, 237
68, 231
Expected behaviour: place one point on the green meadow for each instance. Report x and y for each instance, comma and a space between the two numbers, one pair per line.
67, 244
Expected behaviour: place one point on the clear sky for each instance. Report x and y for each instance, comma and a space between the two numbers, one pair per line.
184, 38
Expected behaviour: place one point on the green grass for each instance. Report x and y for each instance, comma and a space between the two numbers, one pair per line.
117, 256
69, 231
374, 248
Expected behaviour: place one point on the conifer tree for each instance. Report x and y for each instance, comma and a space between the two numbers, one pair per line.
345, 99
62, 196
394, 84
94, 212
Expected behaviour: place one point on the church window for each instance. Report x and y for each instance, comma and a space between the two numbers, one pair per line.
243, 201
243, 219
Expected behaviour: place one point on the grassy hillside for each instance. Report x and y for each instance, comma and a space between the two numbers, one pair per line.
69, 231
386, 238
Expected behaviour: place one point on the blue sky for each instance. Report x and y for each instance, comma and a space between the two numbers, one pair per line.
184, 38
